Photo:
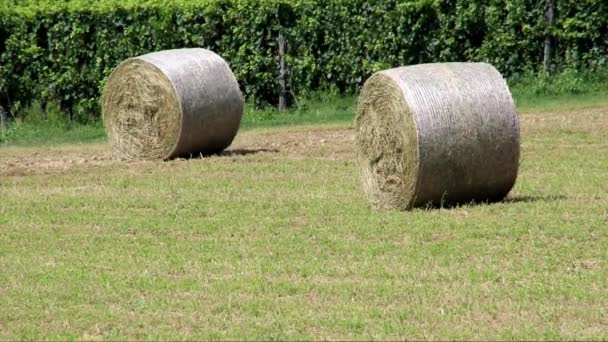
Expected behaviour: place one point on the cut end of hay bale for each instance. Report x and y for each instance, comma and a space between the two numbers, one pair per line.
435, 134
142, 113
388, 157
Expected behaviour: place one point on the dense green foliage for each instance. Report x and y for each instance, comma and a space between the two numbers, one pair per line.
64, 51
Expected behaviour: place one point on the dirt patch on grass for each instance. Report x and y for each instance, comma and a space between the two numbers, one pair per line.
335, 143
24, 161
331, 143
295, 143
588, 120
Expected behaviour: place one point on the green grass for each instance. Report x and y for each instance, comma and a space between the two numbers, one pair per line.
566, 89
34, 128
318, 109
535, 103
283, 244
39, 133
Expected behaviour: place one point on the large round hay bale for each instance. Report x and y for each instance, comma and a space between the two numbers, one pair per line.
171, 103
435, 134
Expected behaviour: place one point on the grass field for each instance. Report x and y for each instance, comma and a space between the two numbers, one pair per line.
274, 239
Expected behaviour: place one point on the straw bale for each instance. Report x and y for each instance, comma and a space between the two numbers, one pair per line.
171, 103
436, 134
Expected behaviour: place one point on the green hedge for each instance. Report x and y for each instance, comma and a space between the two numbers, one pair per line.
64, 50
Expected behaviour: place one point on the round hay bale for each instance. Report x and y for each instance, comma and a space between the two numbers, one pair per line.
171, 103
436, 134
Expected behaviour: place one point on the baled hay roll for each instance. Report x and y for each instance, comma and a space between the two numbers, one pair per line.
435, 134
171, 103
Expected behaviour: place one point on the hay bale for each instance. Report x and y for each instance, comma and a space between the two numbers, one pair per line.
435, 134
171, 103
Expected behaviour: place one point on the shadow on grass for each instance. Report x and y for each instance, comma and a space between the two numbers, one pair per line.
228, 153
245, 152
490, 201
533, 198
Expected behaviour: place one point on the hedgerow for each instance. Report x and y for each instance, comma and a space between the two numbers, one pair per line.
63, 51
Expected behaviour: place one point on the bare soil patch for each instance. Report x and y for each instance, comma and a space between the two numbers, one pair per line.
589, 120
334, 143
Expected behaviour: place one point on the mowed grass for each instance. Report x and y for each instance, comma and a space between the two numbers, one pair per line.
275, 239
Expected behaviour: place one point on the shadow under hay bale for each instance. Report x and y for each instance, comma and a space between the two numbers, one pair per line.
171, 103
239, 152
488, 201
246, 152
532, 198
436, 133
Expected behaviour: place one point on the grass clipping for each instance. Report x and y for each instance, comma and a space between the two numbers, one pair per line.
170, 104
436, 134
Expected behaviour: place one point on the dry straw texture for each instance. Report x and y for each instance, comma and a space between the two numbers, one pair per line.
171, 103
435, 134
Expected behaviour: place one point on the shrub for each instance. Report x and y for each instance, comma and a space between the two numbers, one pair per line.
64, 50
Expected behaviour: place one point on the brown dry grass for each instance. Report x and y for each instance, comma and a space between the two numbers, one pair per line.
329, 143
